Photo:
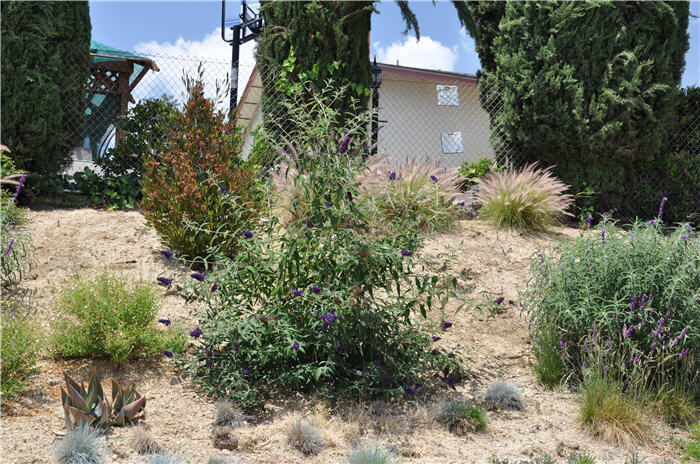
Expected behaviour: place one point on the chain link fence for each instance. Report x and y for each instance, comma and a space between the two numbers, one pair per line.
422, 114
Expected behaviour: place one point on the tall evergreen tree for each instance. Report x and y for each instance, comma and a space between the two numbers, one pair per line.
588, 86
45, 65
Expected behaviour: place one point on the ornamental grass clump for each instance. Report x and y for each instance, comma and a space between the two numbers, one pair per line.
114, 316
460, 416
305, 437
502, 395
419, 194
199, 194
82, 445
322, 302
530, 199
626, 302
371, 453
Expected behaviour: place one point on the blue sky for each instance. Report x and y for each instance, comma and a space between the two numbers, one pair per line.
192, 28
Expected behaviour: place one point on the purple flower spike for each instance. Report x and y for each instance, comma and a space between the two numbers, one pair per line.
197, 276
310, 224
376, 362
602, 236
680, 336
633, 303
214, 287
499, 300
435, 338
20, 184
684, 353
248, 234
329, 204
196, 333
9, 247
298, 292
168, 353
167, 253
589, 220
406, 253
295, 346
236, 347
316, 289
349, 195
344, 145
165, 321
223, 188
652, 222
164, 280
661, 207
684, 237
451, 382
409, 390
446, 325
339, 349
433, 178
392, 176
246, 372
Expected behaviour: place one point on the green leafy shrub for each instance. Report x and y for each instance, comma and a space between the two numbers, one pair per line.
81, 445
608, 413
470, 173
419, 194
692, 449
114, 316
529, 199
626, 301
323, 302
20, 346
120, 192
200, 196
461, 417
501, 395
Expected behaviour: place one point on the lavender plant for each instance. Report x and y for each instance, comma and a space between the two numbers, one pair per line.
624, 301
322, 301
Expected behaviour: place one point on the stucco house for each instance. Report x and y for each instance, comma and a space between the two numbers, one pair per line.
423, 113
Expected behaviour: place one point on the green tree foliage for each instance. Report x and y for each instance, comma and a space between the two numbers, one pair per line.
45, 65
587, 86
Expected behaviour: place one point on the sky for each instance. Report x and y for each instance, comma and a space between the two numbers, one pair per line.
193, 28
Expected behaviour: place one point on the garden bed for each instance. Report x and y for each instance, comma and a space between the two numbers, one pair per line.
490, 264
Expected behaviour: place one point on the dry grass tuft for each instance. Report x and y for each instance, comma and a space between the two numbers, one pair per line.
460, 416
608, 414
143, 442
228, 415
305, 437
223, 438
529, 199
501, 395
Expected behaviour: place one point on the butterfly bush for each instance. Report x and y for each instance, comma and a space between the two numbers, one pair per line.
626, 302
199, 194
335, 307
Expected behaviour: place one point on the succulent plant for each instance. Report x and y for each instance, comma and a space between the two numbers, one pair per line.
90, 406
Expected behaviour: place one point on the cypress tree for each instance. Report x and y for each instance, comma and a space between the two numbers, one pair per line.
587, 86
45, 65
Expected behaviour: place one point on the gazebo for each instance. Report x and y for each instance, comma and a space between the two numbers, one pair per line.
114, 74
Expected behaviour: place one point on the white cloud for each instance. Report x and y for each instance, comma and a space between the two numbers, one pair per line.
424, 53
184, 56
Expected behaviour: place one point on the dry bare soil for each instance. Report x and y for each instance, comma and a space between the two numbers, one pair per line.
491, 263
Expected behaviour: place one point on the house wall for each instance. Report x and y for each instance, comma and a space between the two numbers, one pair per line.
248, 138
414, 121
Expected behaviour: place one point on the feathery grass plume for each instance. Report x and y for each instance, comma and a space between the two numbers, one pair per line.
165, 458
143, 442
371, 453
610, 415
421, 193
223, 438
461, 417
305, 437
228, 415
81, 446
501, 395
529, 199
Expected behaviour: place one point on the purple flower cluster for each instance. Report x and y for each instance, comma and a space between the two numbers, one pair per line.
197, 276
164, 280
328, 319
298, 292
9, 247
344, 145
167, 322
406, 253
589, 220
499, 300
661, 207
316, 289
167, 253
248, 234
196, 333
295, 346
446, 325
392, 176
680, 336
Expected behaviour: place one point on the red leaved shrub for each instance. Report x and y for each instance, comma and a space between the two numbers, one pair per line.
200, 195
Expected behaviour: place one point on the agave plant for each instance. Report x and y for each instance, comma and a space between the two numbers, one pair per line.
89, 406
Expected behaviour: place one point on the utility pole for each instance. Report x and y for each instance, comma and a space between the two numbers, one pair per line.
250, 27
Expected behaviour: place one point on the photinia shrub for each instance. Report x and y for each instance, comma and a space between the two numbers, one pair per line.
200, 195
625, 302
322, 300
